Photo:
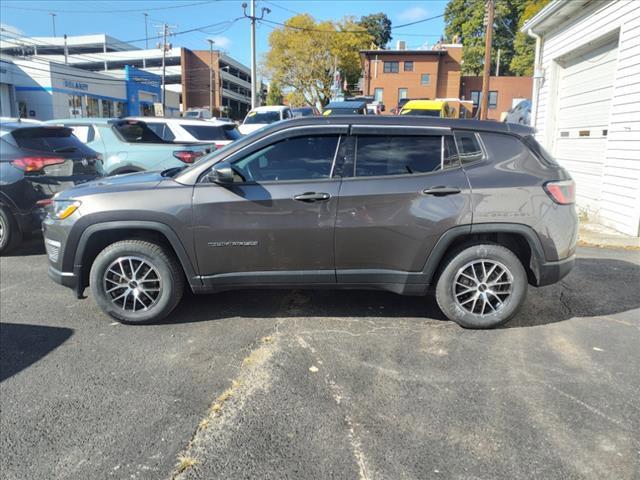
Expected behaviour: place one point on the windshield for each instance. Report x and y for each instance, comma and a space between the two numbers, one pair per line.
421, 113
343, 111
262, 117
213, 132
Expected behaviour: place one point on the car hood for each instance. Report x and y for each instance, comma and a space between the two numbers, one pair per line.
247, 128
117, 183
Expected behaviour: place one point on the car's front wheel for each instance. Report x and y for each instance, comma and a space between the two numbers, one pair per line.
481, 286
136, 281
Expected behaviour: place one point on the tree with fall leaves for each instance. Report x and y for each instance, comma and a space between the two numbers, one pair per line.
304, 53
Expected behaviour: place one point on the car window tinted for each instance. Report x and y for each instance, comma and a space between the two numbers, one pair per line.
84, 133
298, 158
136, 132
398, 155
468, 147
47, 139
162, 130
262, 117
213, 132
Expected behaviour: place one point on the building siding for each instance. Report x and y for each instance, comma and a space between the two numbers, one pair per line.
618, 175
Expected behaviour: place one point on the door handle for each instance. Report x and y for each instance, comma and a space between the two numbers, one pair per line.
311, 197
441, 191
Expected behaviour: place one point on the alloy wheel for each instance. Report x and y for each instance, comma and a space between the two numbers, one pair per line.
132, 283
482, 287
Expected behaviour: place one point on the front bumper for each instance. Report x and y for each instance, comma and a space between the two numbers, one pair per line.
68, 279
552, 272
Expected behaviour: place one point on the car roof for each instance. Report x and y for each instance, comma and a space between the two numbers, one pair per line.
403, 121
83, 120
270, 108
11, 126
347, 104
180, 121
423, 105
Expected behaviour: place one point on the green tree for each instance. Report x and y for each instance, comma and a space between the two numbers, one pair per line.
304, 52
523, 45
274, 95
379, 27
465, 19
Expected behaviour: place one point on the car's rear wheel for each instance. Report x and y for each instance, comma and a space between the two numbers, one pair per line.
10, 234
136, 281
481, 286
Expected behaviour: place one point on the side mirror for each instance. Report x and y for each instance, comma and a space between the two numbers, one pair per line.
222, 174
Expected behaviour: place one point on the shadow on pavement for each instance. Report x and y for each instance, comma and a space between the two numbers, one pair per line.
595, 287
22, 345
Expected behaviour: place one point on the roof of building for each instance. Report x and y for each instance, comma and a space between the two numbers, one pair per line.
555, 13
403, 52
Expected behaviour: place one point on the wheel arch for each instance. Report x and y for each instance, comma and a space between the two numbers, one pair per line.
521, 239
98, 236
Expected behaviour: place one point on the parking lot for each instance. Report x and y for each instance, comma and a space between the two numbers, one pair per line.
322, 384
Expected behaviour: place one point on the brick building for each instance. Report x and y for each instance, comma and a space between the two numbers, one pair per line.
390, 75
503, 91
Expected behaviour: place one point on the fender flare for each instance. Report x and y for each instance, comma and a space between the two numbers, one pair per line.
161, 228
444, 242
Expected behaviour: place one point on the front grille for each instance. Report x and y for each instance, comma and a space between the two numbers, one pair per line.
53, 249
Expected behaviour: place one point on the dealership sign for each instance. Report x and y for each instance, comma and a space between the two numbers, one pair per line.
76, 85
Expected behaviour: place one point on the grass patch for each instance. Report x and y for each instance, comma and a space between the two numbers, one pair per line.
185, 462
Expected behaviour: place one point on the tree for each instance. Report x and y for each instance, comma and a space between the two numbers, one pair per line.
523, 45
274, 95
378, 26
465, 18
303, 55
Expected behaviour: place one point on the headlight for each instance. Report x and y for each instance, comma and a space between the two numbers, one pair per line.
61, 209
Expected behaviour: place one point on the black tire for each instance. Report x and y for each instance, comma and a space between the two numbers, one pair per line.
170, 284
492, 293
10, 234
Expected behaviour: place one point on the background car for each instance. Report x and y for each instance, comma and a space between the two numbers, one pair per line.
131, 146
193, 131
36, 162
262, 116
345, 108
521, 113
304, 112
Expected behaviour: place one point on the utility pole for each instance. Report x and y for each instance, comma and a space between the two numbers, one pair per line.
66, 50
211, 42
146, 32
484, 100
53, 20
253, 18
165, 47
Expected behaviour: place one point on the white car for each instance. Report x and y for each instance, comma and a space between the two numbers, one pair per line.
260, 117
196, 131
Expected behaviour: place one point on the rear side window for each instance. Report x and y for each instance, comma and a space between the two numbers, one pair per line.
401, 155
137, 132
47, 139
539, 150
213, 132
162, 130
468, 147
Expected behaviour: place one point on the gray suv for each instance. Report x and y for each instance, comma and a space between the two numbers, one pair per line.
475, 209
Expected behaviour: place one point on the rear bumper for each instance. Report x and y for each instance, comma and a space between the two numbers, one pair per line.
552, 272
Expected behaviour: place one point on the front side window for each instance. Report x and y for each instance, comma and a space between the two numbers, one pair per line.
391, 67
136, 132
262, 117
468, 146
298, 158
398, 155
425, 79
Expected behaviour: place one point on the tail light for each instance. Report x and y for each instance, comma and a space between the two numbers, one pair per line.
35, 164
220, 145
187, 156
562, 192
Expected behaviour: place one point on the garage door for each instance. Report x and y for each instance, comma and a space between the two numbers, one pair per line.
584, 97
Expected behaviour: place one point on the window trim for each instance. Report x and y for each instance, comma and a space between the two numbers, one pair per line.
422, 84
390, 62
404, 66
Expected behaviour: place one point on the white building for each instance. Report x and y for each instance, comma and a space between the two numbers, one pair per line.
586, 102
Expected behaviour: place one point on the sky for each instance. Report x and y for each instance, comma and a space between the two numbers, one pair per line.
124, 20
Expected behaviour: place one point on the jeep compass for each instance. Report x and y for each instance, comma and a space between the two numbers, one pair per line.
475, 210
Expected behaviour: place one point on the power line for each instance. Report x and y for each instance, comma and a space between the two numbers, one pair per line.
109, 11
283, 8
417, 21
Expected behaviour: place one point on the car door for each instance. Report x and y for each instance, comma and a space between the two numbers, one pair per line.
276, 223
402, 189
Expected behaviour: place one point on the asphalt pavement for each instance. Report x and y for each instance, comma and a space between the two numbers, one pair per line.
322, 384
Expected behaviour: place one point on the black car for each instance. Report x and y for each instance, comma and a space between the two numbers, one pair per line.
349, 107
36, 162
